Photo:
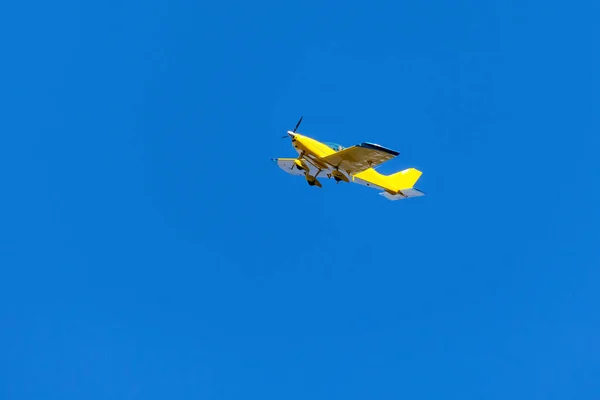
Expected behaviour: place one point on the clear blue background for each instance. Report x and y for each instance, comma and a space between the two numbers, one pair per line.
150, 249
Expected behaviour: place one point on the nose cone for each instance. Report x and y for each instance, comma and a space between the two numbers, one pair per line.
291, 134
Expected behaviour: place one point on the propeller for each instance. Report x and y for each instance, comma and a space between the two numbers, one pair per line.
296, 128
298, 124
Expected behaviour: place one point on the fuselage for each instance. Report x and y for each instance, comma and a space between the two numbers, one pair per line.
310, 147
312, 151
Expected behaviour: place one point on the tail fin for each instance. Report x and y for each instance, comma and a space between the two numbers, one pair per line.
404, 179
392, 183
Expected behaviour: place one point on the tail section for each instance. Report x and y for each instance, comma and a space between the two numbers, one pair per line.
396, 186
403, 194
404, 179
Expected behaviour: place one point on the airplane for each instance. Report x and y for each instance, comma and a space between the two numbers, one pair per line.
354, 164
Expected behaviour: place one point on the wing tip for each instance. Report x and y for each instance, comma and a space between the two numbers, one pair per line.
374, 146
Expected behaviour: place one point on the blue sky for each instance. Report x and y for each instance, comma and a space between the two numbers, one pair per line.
151, 249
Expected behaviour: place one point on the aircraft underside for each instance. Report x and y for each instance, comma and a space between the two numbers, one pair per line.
312, 171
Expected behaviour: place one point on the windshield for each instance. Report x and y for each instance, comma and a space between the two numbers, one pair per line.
335, 146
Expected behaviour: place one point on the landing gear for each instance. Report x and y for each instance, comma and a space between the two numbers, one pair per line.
301, 165
312, 180
338, 176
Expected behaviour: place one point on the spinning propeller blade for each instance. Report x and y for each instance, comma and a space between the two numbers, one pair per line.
295, 129
298, 124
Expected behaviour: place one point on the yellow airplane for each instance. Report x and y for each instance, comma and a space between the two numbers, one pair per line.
353, 164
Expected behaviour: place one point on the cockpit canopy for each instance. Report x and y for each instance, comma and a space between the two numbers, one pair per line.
334, 146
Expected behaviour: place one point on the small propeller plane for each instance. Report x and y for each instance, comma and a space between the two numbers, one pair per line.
353, 164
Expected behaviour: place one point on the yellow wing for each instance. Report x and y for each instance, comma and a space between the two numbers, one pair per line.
359, 158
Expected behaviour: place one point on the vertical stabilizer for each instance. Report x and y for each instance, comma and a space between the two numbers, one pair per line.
405, 179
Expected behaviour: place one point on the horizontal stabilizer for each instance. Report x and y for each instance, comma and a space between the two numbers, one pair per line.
404, 194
